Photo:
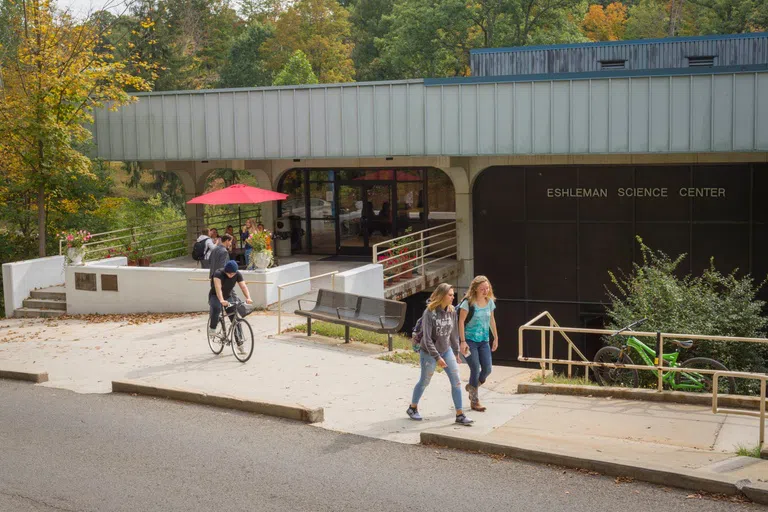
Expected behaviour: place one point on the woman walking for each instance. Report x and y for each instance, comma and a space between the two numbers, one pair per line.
476, 321
439, 346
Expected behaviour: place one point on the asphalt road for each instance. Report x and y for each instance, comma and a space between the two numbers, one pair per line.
60, 451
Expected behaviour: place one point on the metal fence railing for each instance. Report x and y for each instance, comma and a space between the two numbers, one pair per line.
157, 241
547, 340
413, 253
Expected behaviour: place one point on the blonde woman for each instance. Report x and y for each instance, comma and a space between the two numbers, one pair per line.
476, 322
439, 346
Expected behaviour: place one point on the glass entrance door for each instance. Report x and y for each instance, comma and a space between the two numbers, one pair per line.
365, 216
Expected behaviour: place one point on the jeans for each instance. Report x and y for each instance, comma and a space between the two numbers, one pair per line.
248, 251
428, 365
216, 308
479, 362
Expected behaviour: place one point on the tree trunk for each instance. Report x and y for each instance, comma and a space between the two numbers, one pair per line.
41, 218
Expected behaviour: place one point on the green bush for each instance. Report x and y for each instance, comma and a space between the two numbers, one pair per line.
710, 304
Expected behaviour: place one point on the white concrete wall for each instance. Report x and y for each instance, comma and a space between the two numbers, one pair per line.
367, 280
118, 261
171, 290
21, 277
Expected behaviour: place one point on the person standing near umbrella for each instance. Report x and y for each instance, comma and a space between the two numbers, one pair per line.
250, 228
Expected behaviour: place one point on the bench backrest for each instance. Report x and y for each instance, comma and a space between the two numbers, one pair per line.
371, 309
329, 300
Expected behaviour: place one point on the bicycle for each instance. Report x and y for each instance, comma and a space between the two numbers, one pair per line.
239, 334
677, 381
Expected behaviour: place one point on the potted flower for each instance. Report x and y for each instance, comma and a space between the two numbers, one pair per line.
261, 256
75, 242
131, 251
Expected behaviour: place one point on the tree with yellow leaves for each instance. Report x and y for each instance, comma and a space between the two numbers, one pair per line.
605, 24
321, 30
52, 79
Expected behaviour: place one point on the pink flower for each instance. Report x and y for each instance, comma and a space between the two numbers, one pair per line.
70, 238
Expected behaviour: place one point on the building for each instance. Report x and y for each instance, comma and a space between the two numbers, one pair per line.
550, 171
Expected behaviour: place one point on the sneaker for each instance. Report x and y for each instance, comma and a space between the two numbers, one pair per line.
211, 332
241, 348
414, 414
461, 419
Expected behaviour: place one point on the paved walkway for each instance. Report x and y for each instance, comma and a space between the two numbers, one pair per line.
364, 395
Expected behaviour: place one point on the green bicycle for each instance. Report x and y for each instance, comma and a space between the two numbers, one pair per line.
677, 381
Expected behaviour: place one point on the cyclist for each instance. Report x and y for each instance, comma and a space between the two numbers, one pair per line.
223, 285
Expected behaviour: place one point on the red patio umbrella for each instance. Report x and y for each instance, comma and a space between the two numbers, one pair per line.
238, 194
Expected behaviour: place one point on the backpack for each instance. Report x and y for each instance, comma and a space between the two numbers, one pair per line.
470, 313
417, 335
198, 250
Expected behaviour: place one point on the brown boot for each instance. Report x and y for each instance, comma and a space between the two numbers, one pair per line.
473, 399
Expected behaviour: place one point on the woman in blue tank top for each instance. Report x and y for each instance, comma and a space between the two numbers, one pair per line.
479, 300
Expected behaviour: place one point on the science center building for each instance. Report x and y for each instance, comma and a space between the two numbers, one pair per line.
551, 160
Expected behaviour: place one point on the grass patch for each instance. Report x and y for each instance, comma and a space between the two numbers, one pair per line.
748, 452
562, 379
337, 331
410, 357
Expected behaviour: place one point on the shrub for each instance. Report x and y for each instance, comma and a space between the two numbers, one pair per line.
712, 303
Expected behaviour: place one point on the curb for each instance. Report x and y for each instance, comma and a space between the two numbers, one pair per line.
656, 474
291, 412
36, 377
649, 395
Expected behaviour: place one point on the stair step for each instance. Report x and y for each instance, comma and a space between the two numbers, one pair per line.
58, 305
55, 293
37, 313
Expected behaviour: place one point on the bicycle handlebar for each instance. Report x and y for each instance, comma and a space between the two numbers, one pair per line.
630, 327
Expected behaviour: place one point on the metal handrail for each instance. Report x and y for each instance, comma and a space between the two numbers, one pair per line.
659, 368
421, 250
114, 239
286, 285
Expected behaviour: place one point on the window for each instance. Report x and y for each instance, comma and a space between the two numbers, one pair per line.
613, 64
701, 62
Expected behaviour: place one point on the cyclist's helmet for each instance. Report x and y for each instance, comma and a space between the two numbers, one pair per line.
230, 267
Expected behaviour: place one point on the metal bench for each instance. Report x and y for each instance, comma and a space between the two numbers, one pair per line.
368, 313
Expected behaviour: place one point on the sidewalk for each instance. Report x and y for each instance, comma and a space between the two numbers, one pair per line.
363, 395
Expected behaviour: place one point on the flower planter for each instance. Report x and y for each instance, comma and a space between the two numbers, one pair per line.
75, 255
132, 263
261, 259
144, 262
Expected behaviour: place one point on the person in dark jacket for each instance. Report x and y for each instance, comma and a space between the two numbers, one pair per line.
220, 255
440, 346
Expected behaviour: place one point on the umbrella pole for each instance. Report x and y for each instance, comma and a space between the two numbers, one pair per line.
239, 220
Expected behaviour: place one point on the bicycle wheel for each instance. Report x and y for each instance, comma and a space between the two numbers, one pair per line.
242, 340
622, 377
216, 341
695, 379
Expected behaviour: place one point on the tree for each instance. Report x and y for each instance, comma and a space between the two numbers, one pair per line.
53, 78
605, 24
368, 24
434, 38
723, 16
296, 71
647, 19
246, 63
319, 28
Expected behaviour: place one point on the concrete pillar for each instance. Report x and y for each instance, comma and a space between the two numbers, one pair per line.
193, 212
269, 209
460, 178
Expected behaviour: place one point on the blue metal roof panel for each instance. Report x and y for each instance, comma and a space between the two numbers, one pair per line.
751, 35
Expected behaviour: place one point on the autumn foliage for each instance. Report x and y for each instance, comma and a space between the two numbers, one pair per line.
605, 24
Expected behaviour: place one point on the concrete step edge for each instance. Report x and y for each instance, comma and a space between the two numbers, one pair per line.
653, 473
37, 313
49, 304
43, 295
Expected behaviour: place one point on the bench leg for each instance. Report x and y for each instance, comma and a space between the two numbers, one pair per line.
309, 327
346, 334
389, 342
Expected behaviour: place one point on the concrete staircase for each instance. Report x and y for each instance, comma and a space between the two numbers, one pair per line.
44, 303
